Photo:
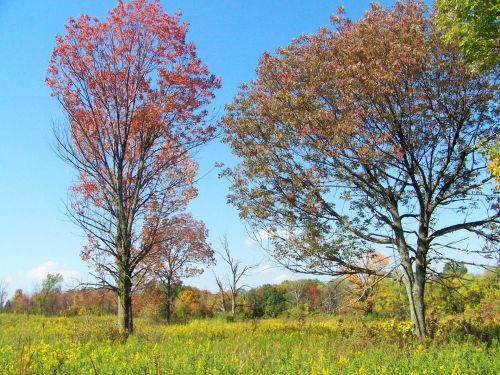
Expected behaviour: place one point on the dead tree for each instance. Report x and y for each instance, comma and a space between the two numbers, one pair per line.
237, 271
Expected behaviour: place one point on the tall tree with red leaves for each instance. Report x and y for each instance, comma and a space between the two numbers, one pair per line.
134, 92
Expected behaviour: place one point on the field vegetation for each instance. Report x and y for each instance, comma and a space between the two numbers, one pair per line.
92, 345
297, 327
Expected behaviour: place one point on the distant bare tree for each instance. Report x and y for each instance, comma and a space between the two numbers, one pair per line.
237, 272
3, 294
220, 285
297, 290
335, 291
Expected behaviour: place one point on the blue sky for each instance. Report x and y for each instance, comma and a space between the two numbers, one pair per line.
35, 235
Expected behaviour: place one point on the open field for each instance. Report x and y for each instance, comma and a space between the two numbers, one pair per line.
90, 345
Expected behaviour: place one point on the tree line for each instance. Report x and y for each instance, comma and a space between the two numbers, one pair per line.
454, 291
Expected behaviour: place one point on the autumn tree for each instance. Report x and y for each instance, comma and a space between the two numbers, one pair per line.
3, 294
134, 92
362, 286
334, 294
182, 253
297, 291
192, 303
46, 300
19, 303
302, 293
364, 137
492, 152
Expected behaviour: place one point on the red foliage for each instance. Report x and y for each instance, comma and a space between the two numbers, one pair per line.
184, 252
133, 90
134, 93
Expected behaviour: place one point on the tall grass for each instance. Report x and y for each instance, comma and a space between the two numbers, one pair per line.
91, 345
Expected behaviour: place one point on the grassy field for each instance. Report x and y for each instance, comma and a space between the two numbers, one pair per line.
90, 345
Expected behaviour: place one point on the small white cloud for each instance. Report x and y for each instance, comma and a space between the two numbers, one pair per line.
266, 268
40, 272
262, 237
249, 241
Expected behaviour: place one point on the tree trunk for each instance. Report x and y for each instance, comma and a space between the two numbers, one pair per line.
415, 285
168, 305
415, 281
168, 312
418, 310
418, 300
124, 280
125, 322
125, 319
233, 303
223, 301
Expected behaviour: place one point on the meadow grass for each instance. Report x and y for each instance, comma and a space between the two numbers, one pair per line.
91, 345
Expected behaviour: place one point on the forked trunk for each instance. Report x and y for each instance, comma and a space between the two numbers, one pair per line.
222, 302
417, 306
415, 286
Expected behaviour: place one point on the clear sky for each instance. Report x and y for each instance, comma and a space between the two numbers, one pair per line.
35, 235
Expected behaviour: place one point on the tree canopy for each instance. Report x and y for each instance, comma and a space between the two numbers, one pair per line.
364, 137
475, 26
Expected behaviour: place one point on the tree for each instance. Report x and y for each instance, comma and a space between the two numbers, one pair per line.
253, 302
266, 300
188, 304
333, 294
220, 285
363, 285
492, 152
237, 272
473, 24
297, 291
20, 302
181, 255
52, 284
273, 300
365, 137
456, 290
133, 92
454, 268
302, 293
3, 294
391, 298
46, 298
450, 292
